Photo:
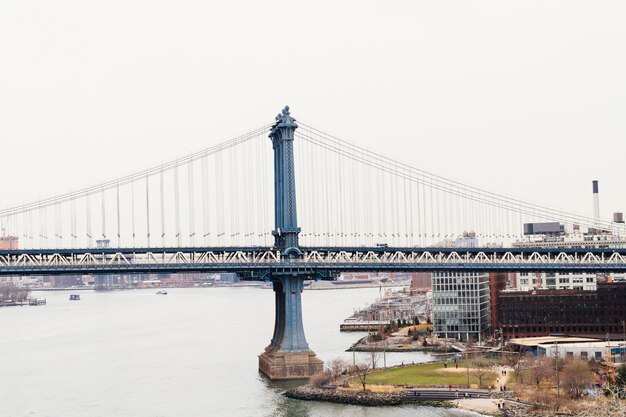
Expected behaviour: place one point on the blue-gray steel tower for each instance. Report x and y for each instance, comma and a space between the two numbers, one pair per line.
288, 355
285, 211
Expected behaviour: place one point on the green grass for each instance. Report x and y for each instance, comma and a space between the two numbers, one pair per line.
426, 374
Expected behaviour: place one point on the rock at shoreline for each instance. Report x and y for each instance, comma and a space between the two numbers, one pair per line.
366, 398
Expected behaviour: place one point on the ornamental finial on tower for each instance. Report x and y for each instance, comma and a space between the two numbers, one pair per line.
284, 119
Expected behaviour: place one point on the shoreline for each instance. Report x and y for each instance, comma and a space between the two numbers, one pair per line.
484, 406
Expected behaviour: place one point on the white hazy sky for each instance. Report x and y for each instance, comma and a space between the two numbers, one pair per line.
526, 98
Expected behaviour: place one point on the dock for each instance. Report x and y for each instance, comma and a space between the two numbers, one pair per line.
361, 326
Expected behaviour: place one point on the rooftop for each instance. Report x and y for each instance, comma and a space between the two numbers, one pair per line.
542, 340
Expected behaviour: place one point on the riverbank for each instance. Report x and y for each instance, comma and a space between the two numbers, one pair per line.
399, 342
396, 349
367, 398
485, 406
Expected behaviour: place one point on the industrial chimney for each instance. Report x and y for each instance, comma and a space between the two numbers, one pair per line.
596, 203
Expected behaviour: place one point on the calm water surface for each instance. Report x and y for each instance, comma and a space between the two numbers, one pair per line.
191, 353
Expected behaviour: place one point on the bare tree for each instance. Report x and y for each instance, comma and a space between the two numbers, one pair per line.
10, 291
337, 367
576, 377
482, 369
320, 380
375, 356
540, 368
362, 370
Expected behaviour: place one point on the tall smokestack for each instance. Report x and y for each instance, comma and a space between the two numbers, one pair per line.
596, 203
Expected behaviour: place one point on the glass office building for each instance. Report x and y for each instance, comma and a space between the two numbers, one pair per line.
461, 305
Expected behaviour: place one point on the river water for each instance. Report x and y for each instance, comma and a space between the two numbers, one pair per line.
190, 353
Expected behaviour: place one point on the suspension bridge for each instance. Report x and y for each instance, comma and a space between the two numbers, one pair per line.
359, 211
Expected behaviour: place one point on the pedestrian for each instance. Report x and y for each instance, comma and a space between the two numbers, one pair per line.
449, 387
456, 365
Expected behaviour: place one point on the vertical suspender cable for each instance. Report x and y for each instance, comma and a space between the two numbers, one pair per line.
177, 205
103, 211
162, 195
437, 208
340, 197
235, 227
396, 201
73, 221
408, 210
45, 225
327, 202
132, 201
432, 213
117, 198
381, 198
88, 219
424, 218
219, 196
148, 209
30, 228
205, 196
192, 227
57, 224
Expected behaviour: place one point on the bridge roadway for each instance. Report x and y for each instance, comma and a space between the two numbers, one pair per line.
320, 262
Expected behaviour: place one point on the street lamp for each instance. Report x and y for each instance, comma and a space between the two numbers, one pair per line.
467, 369
558, 380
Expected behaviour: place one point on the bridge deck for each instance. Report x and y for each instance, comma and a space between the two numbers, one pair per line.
319, 262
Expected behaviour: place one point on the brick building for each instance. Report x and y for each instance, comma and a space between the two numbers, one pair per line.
9, 243
497, 283
542, 312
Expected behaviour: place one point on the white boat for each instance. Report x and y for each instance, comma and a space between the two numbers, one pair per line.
161, 292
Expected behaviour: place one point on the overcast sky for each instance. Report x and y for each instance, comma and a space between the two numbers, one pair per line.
526, 98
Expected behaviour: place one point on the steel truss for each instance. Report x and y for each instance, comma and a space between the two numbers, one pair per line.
314, 261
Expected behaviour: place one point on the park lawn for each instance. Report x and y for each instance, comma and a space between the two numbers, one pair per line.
427, 374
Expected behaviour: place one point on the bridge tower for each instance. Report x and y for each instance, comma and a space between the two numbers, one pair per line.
288, 355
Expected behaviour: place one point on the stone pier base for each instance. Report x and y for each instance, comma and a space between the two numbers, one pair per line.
290, 365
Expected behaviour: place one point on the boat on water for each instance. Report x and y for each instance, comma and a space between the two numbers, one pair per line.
37, 301
74, 297
161, 292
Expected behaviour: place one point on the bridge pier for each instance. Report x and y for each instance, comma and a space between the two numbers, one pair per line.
288, 355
